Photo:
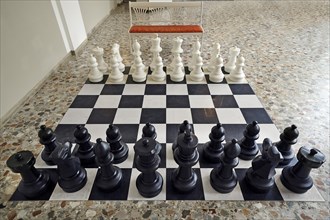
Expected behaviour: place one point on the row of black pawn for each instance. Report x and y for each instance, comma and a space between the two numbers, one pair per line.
72, 175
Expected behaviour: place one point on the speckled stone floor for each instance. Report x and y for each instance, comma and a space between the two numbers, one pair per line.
286, 47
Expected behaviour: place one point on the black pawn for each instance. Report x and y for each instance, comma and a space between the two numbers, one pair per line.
71, 175
288, 138
118, 148
213, 148
223, 178
48, 139
184, 178
109, 177
85, 146
248, 144
296, 178
34, 182
150, 131
182, 128
149, 182
260, 177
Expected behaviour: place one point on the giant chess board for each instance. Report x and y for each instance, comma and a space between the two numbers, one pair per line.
130, 105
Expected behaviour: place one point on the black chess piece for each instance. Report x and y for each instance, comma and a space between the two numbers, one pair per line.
34, 182
149, 182
109, 177
288, 138
296, 178
84, 145
182, 128
223, 178
184, 178
150, 131
260, 177
118, 148
47, 138
248, 144
71, 175
213, 148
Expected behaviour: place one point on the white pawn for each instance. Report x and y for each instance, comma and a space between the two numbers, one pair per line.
217, 75
195, 53
116, 52
214, 56
197, 74
98, 52
237, 75
115, 75
233, 53
95, 75
158, 73
139, 74
177, 74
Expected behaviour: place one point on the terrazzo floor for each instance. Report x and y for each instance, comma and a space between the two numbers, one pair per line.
286, 47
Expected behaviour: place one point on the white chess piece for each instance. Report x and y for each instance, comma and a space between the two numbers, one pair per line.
214, 54
115, 75
237, 75
136, 52
116, 52
155, 50
176, 49
177, 74
233, 53
95, 75
217, 75
195, 53
98, 53
139, 74
158, 73
197, 74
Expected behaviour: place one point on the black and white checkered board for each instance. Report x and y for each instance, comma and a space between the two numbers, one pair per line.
130, 105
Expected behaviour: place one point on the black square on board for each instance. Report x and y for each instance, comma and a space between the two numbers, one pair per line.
198, 89
241, 89
84, 101
177, 101
155, 89
102, 116
204, 116
153, 115
112, 89
131, 101
64, 132
129, 132
120, 193
173, 194
234, 131
224, 101
256, 114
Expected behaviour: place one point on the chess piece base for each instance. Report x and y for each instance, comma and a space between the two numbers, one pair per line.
248, 154
222, 185
294, 183
258, 184
149, 190
36, 188
120, 155
210, 154
184, 185
111, 183
75, 183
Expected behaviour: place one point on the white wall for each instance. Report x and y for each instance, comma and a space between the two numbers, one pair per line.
31, 45
93, 11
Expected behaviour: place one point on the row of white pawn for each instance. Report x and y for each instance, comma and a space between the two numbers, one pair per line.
138, 70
